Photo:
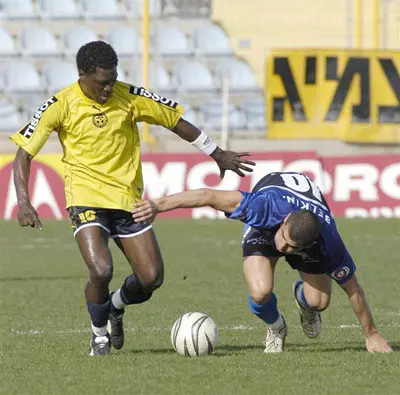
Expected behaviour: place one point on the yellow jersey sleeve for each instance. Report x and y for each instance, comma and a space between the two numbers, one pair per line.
155, 109
47, 118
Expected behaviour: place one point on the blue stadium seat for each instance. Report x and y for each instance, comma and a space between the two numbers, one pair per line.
170, 41
239, 74
211, 116
53, 9
75, 37
11, 119
159, 79
255, 113
122, 75
18, 9
38, 41
124, 40
193, 76
211, 40
7, 45
58, 74
21, 77
101, 9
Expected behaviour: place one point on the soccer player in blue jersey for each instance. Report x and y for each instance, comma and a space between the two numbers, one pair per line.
285, 215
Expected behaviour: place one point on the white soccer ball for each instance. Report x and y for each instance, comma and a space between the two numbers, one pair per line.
194, 334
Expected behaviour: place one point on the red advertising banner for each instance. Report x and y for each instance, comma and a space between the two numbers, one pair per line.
362, 186
354, 186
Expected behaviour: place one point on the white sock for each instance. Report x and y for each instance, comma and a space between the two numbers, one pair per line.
278, 323
99, 331
117, 301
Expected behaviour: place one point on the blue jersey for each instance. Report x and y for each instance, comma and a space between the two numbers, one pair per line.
274, 198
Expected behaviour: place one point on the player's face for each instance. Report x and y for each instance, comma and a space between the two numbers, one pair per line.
99, 85
283, 243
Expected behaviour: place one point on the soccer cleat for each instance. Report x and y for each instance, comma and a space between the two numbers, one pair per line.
100, 345
311, 321
116, 326
275, 339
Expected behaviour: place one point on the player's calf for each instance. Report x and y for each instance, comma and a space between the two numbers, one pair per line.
310, 319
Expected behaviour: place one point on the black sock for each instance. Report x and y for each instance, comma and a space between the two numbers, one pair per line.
99, 313
132, 291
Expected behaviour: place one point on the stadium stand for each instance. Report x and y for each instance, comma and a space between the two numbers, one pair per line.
189, 56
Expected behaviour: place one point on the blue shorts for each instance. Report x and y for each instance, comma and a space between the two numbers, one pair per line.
117, 223
311, 261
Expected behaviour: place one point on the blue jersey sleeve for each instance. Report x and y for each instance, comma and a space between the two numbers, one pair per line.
342, 266
261, 209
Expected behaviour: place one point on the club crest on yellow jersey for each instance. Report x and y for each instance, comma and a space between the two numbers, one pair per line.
100, 119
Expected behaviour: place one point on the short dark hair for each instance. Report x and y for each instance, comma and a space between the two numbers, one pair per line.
96, 54
304, 228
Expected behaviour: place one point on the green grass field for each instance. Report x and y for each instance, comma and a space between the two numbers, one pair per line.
44, 328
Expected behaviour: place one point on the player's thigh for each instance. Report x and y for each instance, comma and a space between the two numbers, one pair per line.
91, 233
259, 274
144, 256
93, 245
317, 289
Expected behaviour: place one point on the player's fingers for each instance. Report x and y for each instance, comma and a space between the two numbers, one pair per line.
240, 173
222, 174
38, 224
247, 162
244, 154
246, 168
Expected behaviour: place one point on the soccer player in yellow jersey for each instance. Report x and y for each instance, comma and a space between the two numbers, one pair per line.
96, 121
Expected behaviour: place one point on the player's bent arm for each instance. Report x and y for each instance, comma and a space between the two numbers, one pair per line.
226, 160
374, 341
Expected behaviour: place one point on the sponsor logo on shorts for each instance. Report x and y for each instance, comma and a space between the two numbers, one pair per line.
257, 241
28, 130
140, 91
341, 273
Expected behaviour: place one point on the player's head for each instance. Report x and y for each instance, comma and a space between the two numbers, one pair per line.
300, 230
97, 66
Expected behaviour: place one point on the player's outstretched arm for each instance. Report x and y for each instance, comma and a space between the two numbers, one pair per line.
225, 201
226, 160
374, 341
27, 215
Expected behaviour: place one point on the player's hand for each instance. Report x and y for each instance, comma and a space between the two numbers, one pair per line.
144, 211
377, 344
28, 216
229, 160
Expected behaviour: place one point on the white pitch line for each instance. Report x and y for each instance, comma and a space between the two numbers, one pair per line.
159, 329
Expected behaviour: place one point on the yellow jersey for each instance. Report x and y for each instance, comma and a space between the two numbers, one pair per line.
100, 142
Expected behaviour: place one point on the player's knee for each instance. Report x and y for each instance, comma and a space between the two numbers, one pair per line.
101, 273
152, 280
318, 302
260, 296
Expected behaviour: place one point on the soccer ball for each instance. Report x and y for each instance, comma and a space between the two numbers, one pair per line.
194, 334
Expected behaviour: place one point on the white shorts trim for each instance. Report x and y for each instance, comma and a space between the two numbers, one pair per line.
91, 224
132, 234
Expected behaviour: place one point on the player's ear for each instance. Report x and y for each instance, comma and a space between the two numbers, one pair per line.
82, 75
286, 218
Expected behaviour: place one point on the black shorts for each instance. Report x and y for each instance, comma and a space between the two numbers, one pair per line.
118, 223
255, 243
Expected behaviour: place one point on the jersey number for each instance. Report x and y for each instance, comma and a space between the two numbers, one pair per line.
302, 184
